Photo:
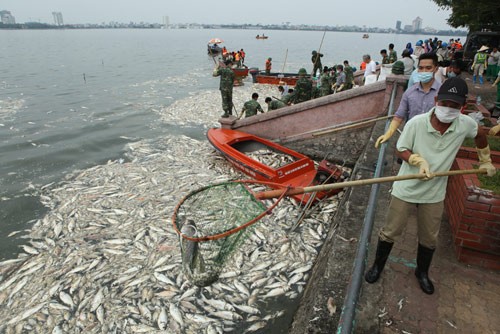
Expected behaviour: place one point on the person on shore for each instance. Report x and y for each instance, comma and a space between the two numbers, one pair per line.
303, 88
451, 71
340, 83
385, 57
325, 87
417, 99
274, 104
419, 48
428, 143
493, 61
252, 107
226, 86
408, 62
409, 48
497, 103
393, 55
316, 60
349, 75
480, 64
269, 65
370, 75
287, 99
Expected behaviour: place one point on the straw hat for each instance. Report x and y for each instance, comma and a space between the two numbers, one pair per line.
483, 48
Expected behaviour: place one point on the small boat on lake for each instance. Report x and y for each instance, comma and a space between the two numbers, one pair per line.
365, 36
264, 160
261, 36
274, 78
214, 50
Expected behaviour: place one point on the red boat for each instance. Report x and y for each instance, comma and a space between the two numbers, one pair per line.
261, 77
289, 168
241, 72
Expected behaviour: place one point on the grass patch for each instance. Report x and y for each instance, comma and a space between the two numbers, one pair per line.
489, 183
494, 143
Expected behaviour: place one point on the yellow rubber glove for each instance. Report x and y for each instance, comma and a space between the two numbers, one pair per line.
386, 136
416, 160
485, 160
494, 130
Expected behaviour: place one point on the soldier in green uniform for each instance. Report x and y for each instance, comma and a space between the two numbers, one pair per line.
225, 86
250, 108
303, 88
274, 104
325, 87
393, 55
349, 76
316, 60
287, 99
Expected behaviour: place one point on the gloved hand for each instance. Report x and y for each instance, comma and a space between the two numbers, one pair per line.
416, 160
386, 136
485, 160
494, 130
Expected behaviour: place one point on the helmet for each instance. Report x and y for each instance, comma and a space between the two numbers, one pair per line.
444, 44
419, 43
269, 58
398, 67
302, 71
314, 52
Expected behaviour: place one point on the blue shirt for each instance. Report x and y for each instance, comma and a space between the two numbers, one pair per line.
416, 101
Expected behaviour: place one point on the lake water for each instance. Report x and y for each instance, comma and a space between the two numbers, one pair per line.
72, 99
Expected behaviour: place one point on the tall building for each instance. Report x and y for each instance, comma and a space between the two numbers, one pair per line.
166, 22
398, 25
58, 18
417, 24
7, 17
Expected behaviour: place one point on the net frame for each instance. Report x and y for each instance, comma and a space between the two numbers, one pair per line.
227, 233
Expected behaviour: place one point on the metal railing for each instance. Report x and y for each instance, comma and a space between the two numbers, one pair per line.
346, 321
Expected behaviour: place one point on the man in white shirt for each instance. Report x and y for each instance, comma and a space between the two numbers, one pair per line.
370, 75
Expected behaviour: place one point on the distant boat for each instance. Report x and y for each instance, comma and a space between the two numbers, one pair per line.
261, 37
366, 36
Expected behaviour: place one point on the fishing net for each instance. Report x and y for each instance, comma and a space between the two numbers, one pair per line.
213, 221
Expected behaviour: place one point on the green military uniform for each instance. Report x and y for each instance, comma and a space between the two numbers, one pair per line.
385, 60
303, 88
349, 77
226, 88
250, 108
275, 104
325, 84
393, 56
316, 60
287, 98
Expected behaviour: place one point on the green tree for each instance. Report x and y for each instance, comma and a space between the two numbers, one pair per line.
474, 14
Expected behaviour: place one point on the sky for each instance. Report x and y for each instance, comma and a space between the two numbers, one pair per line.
377, 13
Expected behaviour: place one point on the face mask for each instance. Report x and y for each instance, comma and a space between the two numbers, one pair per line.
451, 74
425, 77
446, 114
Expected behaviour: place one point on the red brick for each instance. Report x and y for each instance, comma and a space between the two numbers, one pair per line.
492, 200
468, 236
483, 215
473, 221
479, 246
484, 231
477, 206
495, 209
493, 225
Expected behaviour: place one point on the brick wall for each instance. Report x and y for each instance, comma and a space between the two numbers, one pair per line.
471, 153
474, 216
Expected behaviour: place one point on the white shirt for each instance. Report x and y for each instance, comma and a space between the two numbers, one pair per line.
371, 68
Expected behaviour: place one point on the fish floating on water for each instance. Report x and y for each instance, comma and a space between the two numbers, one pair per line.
105, 258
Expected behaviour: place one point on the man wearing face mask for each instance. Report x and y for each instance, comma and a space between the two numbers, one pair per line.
428, 143
417, 99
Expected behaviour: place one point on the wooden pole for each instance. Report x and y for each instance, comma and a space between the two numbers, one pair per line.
339, 185
352, 125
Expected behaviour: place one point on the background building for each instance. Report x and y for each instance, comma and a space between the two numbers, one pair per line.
58, 18
166, 22
7, 17
398, 25
417, 24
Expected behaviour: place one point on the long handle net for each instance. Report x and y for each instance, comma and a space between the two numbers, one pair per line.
213, 221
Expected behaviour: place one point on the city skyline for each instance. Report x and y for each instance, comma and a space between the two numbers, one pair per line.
361, 12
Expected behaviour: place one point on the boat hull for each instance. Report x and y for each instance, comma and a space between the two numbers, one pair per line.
236, 147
